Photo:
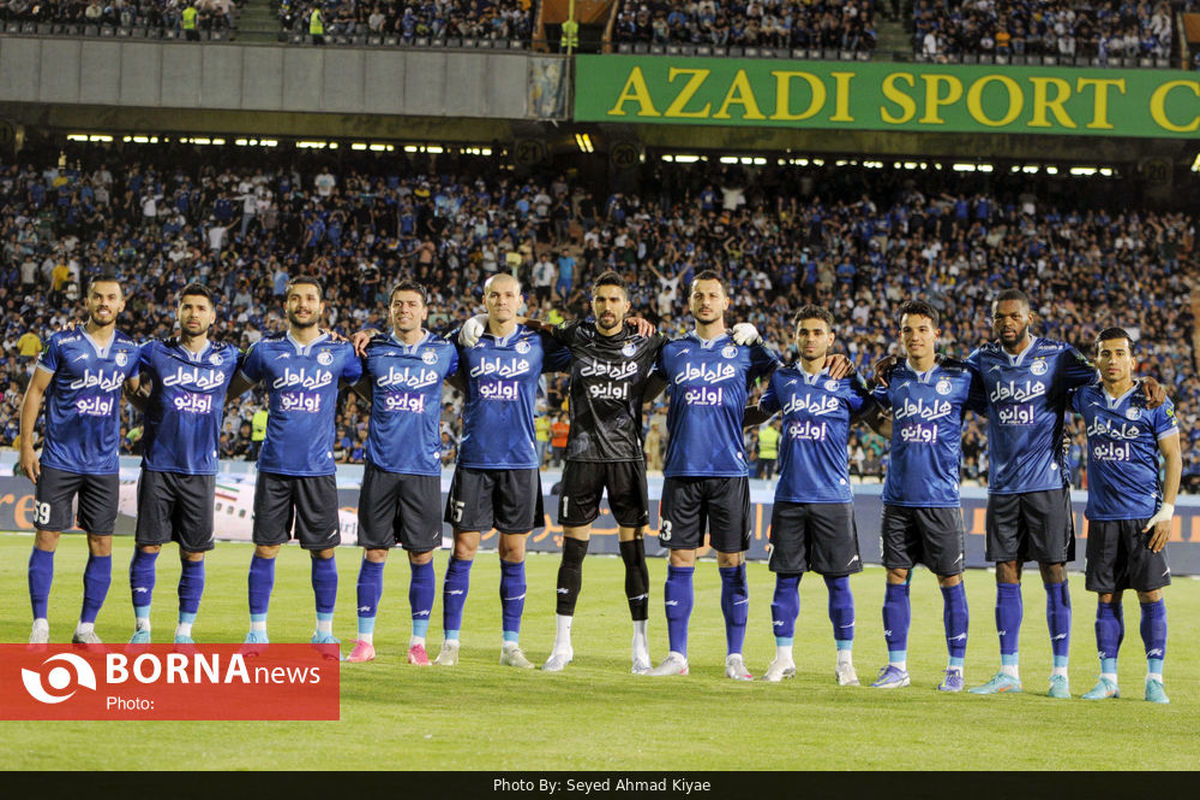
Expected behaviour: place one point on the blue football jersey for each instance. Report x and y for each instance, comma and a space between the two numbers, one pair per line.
186, 405
83, 401
707, 384
406, 381
1027, 397
302, 391
927, 416
814, 463
502, 379
1122, 437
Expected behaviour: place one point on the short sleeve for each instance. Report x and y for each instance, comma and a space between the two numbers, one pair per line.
977, 400
352, 369
1165, 423
251, 365
48, 359
880, 395
1077, 370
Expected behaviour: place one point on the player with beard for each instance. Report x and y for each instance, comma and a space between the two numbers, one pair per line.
1028, 381
708, 375
80, 376
611, 365
182, 384
301, 370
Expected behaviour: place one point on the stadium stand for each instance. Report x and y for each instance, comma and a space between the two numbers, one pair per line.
829, 24
409, 22
1096, 32
214, 19
859, 240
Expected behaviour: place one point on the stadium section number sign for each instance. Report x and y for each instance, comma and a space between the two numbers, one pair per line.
887, 96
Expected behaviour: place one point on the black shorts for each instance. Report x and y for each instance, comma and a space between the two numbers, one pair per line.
929, 536
584, 481
176, 507
691, 504
55, 493
404, 509
821, 537
509, 500
1118, 558
308, 501
1034, 526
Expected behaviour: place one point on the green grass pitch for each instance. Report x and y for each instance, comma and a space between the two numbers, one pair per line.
597, 716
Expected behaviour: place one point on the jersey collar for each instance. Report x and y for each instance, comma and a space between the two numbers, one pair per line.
922, 377
708, 344
1019, 358
504, 342
101, 352
410, 349
301, 349
189, 355
1114, 403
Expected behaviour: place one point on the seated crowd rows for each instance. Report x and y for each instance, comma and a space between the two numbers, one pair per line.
1101, 29
858, 241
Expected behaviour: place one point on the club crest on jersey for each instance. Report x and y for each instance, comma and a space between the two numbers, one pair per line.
1039, 367
628, 350
121, 358
943, 386
729, 351
1133, 413
831, 386
429, 357
215, 359
523, 347
325, 358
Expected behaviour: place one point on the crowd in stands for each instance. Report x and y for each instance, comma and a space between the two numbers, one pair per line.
1101, 29
841, 24
860, 241
413, 19
162, 14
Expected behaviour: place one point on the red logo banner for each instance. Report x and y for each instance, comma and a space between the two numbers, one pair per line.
169, 682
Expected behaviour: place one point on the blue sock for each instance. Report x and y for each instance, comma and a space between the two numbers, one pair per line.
141, 582
260, 584
785, 607
1058, 620
677, 596
420, 596
956, 619
1110, 630
97, 577
454, 595
1009, 611
41, 575
512, 598
896, 617
324, 584
735, 605
370, 589
841, 611
1154, 634
191, 588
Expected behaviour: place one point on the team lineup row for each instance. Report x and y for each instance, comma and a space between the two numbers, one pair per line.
1022, 383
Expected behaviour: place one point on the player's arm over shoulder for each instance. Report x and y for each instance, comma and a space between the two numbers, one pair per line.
248, 373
